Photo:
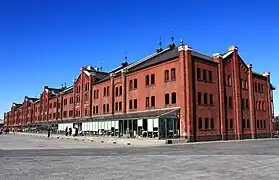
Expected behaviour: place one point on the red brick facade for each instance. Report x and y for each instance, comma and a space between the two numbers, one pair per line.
217, 97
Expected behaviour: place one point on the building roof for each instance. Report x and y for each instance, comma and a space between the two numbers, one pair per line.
68, 89
158, 58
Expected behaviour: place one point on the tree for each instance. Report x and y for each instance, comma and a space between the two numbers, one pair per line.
276, 123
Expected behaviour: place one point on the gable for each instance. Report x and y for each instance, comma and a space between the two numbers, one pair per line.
242, 66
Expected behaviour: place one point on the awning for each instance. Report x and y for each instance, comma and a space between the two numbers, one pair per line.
163, 113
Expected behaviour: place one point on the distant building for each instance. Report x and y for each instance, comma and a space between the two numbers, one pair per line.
1, 122
175, 92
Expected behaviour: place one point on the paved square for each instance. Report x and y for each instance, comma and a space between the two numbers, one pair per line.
28, 158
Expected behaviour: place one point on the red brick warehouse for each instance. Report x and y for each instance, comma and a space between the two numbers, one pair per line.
176, 92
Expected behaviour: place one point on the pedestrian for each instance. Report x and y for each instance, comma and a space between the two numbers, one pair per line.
66, 131
70, 131
48, 133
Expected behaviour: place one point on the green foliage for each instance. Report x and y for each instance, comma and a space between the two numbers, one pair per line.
276, 123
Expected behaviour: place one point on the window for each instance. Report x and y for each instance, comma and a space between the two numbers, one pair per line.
71, 100
116, 91
210, 76
173, 98
104, 108
116, 106
229, 80
167, 99
131, 104
135, 83
246, 84
120, 106
152, 79
258, 124
243, 123
242, 103
86, 97
152, 101
259, 87
198, 73
86, 112
147, 80
205, 98
166, 75
256, 86
262, 87
71, 113
204, 75
263, 108
199, 97
135, 103
248, 124
212, 123
65, 114
211, 99
97, 109
147, 102
230, 101
131, 84
94, 109
107, 107
264, 125
65, 102
54, 105
108, 91
173, 74
50, 105
105, 91
231, 123
247, 103
120, 90
206, 123
200, 123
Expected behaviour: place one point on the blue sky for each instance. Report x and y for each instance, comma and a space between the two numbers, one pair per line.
46, 42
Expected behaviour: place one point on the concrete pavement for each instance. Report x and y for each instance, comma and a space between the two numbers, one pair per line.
100, 139
33, 158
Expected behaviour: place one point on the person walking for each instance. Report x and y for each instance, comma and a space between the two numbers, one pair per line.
48, 133
66, 131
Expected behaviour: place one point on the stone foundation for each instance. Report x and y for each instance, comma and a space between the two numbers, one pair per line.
228, 137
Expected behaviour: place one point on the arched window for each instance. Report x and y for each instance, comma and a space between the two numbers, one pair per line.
229, 80
173, 75
173, 98
167, 99
166, 75
116, 91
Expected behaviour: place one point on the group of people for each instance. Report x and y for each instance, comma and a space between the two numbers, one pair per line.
6, 130
69, 131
